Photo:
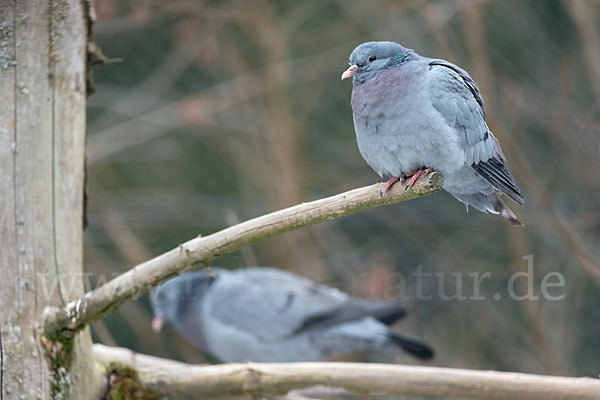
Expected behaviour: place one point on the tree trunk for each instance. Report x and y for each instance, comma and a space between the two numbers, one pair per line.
42, 148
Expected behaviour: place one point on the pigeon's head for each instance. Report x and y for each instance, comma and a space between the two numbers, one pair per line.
171, 300
371, 57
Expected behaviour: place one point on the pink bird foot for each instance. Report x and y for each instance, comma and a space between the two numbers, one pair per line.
414, 176
388, 185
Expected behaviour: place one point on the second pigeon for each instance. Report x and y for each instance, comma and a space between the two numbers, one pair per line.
269, 315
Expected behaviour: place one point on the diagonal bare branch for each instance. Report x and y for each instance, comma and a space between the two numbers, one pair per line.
202, 250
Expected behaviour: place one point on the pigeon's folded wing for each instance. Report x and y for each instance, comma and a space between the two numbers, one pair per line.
272, 306
455, 95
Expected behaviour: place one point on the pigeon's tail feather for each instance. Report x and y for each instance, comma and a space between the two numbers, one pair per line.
496, 173
503, 210
491, 203
478, 201
411, 346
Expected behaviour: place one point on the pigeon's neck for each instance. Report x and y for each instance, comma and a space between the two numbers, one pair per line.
384, 92
361, 78
188, 322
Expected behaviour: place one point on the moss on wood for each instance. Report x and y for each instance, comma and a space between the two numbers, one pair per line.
124, 384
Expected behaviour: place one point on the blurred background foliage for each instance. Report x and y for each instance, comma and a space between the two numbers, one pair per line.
226, 110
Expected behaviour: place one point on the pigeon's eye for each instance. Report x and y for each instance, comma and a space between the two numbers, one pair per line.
372, 58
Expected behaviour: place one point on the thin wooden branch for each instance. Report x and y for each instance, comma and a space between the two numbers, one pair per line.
202, 250
107, 354
409, 380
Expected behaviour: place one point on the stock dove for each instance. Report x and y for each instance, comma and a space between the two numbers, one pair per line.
414, 114
269, 315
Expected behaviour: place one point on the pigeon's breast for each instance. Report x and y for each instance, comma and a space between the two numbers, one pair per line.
397, 128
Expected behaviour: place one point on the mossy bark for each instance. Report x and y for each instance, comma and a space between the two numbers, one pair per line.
124, 384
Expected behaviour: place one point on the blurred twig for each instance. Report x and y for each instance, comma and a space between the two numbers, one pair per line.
103, 333
436, 23
584, 18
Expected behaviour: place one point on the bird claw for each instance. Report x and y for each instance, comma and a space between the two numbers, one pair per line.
385, 188
414, 176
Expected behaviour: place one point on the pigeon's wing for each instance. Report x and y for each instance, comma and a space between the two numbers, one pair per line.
455, 95
353, 310
271, 304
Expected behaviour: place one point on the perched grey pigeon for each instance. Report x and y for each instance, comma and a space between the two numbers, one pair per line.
269, 315
414, 114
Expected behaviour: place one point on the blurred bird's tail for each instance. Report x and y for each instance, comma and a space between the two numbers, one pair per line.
387, 312
411, 346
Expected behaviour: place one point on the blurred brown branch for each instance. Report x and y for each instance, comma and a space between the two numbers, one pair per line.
202, 250
583, 15
178, 380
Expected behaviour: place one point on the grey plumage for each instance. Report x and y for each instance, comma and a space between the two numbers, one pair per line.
412, 112
268, 315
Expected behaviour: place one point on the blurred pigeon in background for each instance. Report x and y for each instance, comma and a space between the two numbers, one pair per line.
414, 114
269, 315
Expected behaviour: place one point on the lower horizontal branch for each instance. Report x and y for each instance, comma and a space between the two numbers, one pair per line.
202, 250
184, 380
107, 354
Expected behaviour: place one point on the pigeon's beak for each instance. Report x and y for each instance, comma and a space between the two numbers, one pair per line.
349, 72
157, 323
